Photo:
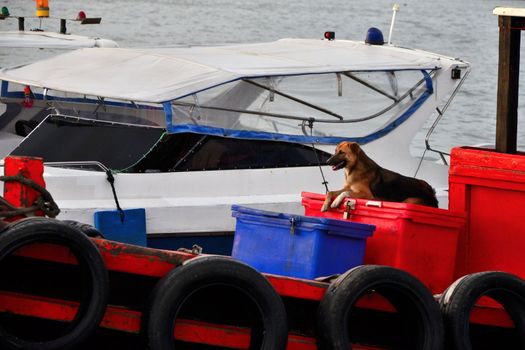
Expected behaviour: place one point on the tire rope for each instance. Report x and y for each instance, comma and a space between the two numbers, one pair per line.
325, 183
111, 180
44, 202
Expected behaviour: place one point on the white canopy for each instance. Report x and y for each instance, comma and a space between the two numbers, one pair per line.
50, 40
160, 75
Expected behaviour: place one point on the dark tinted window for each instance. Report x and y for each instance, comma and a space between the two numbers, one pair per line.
192, 152
61, 139
138, 149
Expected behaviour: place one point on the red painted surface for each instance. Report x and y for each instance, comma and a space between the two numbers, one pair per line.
48, 252
117, 257
490, 187
139, 260
298, 288
418, 239
14, 192
126, 320
156, 263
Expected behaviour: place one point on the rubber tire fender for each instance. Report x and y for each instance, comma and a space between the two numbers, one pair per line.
458, 300
404, 291
170, 293
92, 307
87, 229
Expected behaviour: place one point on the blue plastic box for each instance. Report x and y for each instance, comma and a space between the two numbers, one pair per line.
297, 246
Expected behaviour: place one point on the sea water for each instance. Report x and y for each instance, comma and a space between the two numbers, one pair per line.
466, 29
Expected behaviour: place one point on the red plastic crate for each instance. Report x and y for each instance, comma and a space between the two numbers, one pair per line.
490, 187
420, 240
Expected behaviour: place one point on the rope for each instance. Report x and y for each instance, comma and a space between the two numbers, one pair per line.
420, 162
111, 181
311, 126
44, 202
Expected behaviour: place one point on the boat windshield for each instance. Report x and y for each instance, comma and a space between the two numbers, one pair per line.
336, 105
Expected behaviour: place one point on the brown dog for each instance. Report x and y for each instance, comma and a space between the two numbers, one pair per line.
365, 179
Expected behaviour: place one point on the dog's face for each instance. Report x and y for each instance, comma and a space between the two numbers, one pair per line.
345, 156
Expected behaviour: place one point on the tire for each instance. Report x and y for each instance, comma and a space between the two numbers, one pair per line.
93, 303
458, 301
174, 289
405, 292
87, 229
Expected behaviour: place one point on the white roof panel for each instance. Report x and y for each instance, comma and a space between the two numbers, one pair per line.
165, 74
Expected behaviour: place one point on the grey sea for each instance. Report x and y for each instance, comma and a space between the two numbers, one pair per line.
465, 29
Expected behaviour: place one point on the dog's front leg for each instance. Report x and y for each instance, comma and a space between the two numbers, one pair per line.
328, 199
339, 199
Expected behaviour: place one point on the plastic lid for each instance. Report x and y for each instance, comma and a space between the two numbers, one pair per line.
340, 226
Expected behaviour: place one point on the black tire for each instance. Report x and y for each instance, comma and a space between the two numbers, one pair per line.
94, 301
406, 293
174, 289
458, 301
87, 229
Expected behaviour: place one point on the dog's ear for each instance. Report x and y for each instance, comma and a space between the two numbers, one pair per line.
356, 149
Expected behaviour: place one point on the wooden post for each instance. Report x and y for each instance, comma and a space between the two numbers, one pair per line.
508, 85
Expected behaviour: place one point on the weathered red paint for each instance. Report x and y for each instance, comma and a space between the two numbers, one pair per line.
14, 192
313, 290
139, 260
156, 263
298, 288
117, 257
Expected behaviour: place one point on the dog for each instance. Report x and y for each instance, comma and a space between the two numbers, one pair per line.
367, 180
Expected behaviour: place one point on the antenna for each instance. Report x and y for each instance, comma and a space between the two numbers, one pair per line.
395, 8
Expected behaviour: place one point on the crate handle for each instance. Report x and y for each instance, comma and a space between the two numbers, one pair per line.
349, 205
377, 204
293, 223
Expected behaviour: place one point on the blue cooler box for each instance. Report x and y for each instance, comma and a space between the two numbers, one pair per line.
297, 246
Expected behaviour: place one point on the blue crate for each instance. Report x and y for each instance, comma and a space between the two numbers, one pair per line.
297, 246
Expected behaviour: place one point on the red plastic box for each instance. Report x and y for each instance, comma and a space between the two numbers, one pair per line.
490, 187
418, 239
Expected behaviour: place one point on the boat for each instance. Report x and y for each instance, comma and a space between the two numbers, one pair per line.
186, 132
41, 37
50, 40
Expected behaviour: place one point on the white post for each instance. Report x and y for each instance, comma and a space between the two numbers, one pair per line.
394, 11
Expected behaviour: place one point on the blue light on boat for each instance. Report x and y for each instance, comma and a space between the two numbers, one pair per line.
374, 36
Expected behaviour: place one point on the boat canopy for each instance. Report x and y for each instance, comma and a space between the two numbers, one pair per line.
296, 90
167, 74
